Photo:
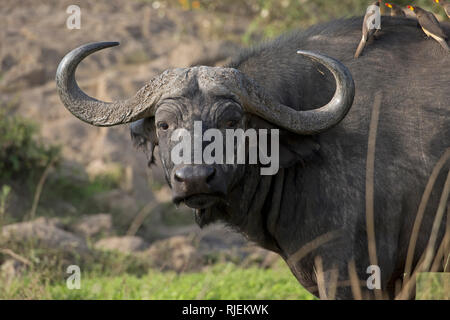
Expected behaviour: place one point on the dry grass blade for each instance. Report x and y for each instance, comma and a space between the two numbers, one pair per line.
312, 245
140, 217
440, 255
429, 251
308, 248
447, 244
443, 254
354, 281
334, 276
15, 256
40, 186
398, 287
427, 256
320, 277
370, 171
340, 284
421, 211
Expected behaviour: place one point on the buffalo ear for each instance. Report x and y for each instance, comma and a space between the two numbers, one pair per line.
143, 135
293, 148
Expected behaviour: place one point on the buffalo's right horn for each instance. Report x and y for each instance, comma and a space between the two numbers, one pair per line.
91, 110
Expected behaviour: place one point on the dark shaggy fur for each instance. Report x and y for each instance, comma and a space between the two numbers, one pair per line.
324, 191
413, 76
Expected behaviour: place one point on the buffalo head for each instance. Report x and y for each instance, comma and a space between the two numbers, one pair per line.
221, 98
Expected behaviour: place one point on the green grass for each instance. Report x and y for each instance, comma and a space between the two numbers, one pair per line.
433, 286
222, 281
115, 275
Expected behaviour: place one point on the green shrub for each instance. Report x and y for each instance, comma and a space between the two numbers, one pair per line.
22, 154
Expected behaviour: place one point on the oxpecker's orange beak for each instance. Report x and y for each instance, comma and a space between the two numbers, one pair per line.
388, 5
411, 7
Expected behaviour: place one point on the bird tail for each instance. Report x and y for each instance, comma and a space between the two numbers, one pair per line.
360, 48
444, 44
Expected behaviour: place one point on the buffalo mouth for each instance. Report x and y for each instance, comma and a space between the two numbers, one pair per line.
199, 201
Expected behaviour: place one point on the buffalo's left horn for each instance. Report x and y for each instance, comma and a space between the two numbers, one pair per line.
310, 121
91, 110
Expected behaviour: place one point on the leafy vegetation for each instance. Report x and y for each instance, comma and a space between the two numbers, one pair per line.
23, 159
223, 281
22, 154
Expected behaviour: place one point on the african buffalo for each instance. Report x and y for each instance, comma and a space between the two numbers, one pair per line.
342, 123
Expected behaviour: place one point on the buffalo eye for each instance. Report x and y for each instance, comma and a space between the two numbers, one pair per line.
231, 123
163, 125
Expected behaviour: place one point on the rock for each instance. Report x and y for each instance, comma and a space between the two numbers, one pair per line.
21, 77
45, 234
127, 244
118, 200
53, 222
176, 253
218, 237
65, 208
199, 249
93, 225
220, 243
8, 62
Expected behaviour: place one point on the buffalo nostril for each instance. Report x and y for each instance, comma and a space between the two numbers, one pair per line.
195, 175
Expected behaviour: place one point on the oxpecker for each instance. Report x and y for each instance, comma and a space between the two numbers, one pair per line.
430, 25
370, 26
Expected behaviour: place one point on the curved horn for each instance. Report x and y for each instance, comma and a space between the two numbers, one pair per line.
310, 121
91, 110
